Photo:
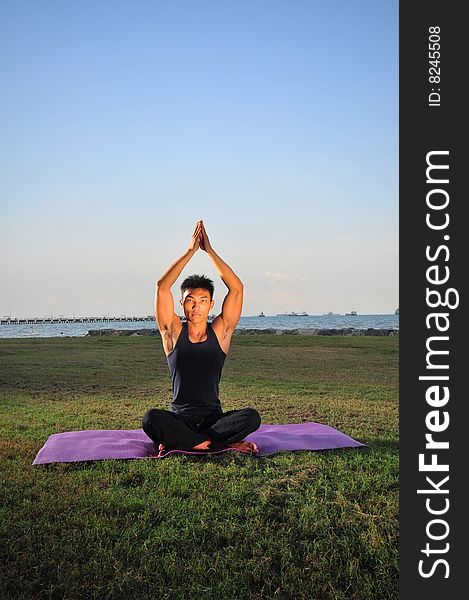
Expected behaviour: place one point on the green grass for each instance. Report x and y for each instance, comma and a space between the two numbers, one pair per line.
312, 525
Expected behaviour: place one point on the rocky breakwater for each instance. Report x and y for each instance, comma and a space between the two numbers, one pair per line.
122, 332
344, 331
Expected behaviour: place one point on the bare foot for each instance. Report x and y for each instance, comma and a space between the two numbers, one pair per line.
203, 446
245, 446
160, 450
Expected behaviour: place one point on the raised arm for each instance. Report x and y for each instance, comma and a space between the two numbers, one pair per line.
166, 318
226, 322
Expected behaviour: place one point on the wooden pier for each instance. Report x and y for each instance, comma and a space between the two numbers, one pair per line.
58, 320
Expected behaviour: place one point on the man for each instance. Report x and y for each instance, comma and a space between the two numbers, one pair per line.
196, 351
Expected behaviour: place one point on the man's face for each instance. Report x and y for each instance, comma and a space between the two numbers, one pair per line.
196, 304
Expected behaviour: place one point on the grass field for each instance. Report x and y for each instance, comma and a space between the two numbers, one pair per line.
312, 525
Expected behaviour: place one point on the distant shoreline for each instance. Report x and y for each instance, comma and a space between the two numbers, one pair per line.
81, 320
320, 325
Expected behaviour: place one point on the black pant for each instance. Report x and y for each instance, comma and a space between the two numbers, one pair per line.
175, 431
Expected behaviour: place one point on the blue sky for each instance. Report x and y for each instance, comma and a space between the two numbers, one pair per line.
122, 123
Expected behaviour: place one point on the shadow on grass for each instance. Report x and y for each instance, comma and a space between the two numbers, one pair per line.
383, 444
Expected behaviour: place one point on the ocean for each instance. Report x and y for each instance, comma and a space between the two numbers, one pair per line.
39, 330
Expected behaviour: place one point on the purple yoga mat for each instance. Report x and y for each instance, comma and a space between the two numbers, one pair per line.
100, 444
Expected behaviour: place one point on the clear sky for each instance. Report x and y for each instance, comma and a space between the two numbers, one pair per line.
123, 122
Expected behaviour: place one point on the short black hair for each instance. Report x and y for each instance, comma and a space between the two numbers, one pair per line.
198, 281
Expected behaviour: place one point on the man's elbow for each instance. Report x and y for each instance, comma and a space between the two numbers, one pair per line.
161, 285
238, 289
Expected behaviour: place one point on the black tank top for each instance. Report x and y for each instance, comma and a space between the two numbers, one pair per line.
196, 370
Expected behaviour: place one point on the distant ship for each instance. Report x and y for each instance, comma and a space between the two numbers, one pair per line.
396, 312
293, 314
330, 314
352, 313
261, 315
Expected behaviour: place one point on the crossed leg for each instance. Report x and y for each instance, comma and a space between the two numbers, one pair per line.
233, 426
171, 430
